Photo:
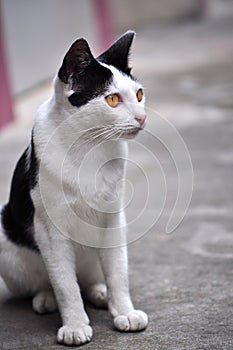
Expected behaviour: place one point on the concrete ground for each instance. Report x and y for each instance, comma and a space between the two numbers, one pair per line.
184, 281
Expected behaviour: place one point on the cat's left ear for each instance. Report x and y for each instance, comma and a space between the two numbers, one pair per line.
118, 54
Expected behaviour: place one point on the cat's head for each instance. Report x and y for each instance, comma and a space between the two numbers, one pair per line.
100, 91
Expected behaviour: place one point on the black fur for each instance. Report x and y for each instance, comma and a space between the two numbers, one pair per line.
88, 78
75, 62
94, 83
118, 54
18, 213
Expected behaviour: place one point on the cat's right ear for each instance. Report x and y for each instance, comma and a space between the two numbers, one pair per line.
76, 60
118, 54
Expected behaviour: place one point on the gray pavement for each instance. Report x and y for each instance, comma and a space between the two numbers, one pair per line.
182, 280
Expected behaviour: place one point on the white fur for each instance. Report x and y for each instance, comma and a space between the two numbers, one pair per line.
24, 271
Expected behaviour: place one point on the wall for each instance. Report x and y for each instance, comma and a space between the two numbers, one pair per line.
131, 14
38, 32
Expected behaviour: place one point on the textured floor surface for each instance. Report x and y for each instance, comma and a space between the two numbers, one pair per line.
184, 281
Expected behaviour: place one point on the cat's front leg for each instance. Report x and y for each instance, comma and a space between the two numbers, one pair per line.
114, 263
58, 255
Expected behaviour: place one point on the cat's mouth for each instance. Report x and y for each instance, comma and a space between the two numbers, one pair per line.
128, 133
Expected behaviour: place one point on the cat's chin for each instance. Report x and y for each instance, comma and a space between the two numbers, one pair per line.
129, 134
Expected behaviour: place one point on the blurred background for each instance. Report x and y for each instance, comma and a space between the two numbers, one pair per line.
171, 35
183, 55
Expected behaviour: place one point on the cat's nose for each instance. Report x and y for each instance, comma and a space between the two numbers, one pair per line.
141, 119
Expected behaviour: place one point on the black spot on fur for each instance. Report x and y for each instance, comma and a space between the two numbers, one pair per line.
18, 213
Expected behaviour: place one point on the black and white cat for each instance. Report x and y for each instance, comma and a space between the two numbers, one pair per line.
99, 100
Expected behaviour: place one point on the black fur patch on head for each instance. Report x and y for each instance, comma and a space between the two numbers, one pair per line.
86, 76
93, 84
18, 214
118, 54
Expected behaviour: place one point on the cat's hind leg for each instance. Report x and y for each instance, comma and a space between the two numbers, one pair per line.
91, 278
44, 302
24, 273
96, 294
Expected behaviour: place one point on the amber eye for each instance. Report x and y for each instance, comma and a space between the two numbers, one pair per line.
139, 95
112, 100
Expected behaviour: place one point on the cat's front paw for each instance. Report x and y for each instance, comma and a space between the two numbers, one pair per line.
136, 320
74, 336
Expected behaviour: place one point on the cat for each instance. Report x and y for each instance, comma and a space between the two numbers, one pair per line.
100, 100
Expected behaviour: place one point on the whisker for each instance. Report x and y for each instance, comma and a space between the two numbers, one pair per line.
101, 134
105, 132
111, 134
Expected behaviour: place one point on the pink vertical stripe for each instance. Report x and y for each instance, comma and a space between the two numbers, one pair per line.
6, 111
104, 23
